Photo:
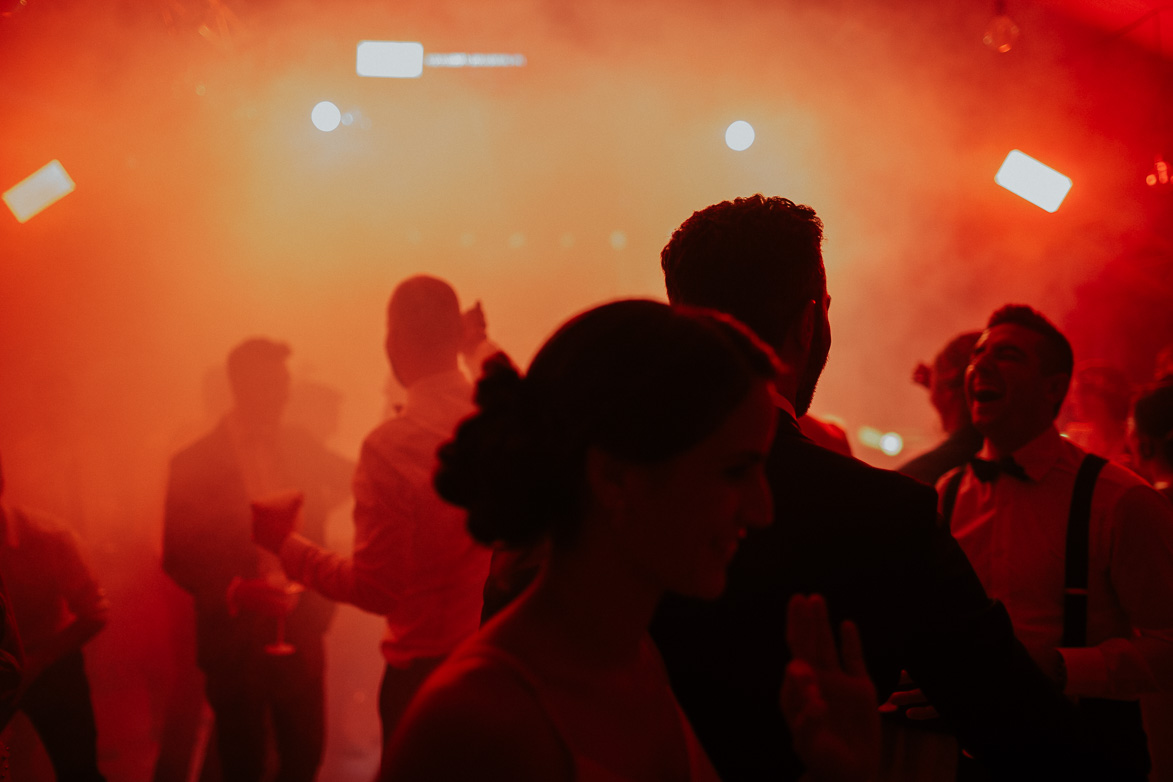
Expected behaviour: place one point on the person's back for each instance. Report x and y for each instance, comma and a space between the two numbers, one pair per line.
945, 381
56, 607
867, 540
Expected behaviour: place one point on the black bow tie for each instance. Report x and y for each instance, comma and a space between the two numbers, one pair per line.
985, 470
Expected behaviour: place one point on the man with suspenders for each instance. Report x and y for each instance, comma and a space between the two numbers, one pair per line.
1080, 551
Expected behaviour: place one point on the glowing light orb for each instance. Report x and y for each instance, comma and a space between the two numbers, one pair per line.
1027, 178
516, 240
618, 240
888, 443
326, 116
739, 136
891, 443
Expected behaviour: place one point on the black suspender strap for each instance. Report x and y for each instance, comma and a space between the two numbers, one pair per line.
1076, 569
949, 496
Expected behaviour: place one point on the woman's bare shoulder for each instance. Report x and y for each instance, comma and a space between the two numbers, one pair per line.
476, 718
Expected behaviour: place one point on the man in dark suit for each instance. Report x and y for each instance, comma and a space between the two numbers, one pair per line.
867, 539
241, 596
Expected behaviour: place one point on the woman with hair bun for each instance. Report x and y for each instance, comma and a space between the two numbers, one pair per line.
634, 446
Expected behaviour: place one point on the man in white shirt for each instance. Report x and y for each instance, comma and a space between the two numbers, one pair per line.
413, 560
1080, 552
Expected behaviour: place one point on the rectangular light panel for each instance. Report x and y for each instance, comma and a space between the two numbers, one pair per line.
1024, 176
39, 190
390, 59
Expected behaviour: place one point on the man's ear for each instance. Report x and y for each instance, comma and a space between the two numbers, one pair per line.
797, 341
607, 479
1057, 386
808, 322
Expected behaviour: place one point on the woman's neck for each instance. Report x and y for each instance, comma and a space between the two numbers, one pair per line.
589, 609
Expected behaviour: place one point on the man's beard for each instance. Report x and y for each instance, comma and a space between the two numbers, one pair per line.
816, 360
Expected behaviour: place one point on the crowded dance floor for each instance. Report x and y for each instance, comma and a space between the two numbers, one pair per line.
551, 390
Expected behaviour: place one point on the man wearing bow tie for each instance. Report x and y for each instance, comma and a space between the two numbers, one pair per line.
1080, 551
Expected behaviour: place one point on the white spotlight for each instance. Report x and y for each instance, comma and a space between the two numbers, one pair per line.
38, 190
739, 136
390, 59
326, 116
891, 443
1026, 177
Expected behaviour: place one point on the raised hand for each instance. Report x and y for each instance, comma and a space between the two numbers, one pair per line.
827, 698
476, 329
923, 375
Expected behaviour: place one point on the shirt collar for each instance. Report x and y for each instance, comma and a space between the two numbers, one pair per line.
783, 404
1036, 457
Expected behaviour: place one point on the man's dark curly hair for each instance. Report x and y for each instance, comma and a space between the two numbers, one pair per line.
1057, 356
757, 258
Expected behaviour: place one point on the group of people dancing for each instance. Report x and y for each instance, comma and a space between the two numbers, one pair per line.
633, 561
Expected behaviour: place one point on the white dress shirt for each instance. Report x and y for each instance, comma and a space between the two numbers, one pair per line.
413, 561
1014, 532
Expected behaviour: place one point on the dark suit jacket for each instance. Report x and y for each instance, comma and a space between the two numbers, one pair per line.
207, 540
869, 541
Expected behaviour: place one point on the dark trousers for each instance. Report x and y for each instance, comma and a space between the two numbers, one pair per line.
398, 687
287, 692
59, 706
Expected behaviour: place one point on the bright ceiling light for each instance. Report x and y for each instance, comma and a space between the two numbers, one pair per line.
739, 136
326, 116
44, 187
1026, 177
390, 59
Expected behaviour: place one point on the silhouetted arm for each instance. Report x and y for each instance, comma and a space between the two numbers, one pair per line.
371, 576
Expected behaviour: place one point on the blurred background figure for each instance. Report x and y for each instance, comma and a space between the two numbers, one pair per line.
244, 607
58, 607
413, 560
1163, 369
1098, 410
1150, 437
1150, 446
945, 380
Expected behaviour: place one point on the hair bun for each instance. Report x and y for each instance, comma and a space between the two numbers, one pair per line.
499, 385
490, 466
